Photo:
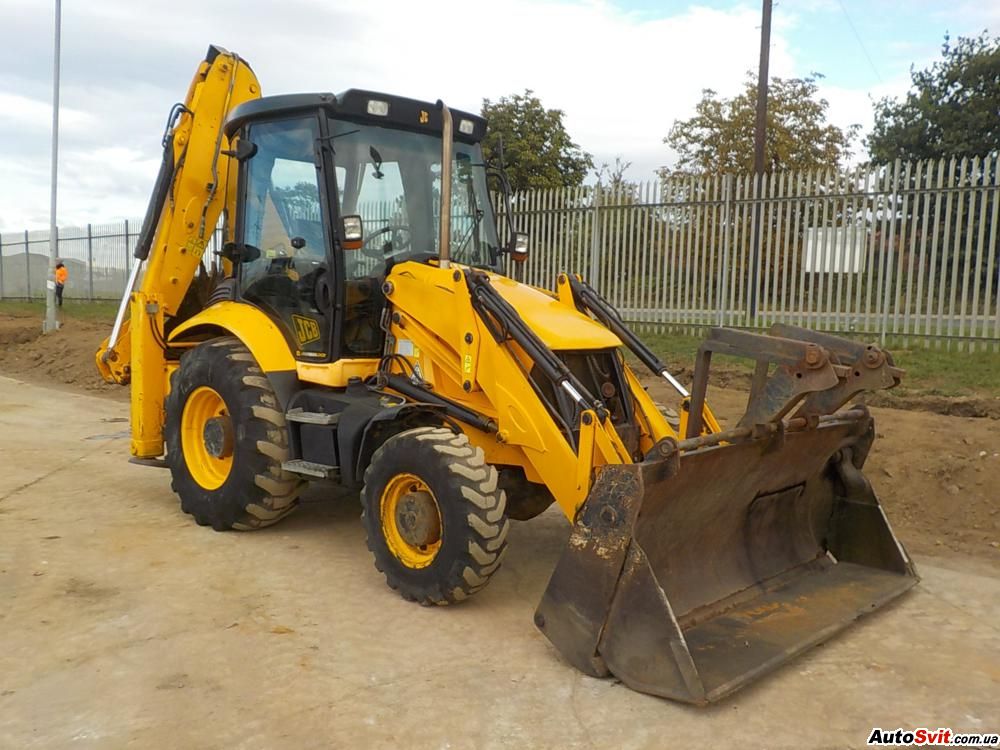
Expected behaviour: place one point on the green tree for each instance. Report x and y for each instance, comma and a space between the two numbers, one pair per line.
720, 136
614, 181
537, 150
951, 110
950, 113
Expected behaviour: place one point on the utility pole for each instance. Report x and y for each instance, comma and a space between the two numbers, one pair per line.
759, 138
51, 323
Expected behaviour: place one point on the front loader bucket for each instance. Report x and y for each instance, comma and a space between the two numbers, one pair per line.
692, 574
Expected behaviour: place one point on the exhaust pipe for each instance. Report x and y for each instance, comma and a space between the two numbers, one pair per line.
446, 149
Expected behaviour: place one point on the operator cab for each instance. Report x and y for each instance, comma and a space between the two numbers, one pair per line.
334, 191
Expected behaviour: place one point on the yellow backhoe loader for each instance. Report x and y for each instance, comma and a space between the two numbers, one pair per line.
355, 326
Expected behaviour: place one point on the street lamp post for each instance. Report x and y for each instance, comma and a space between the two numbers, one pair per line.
51, 323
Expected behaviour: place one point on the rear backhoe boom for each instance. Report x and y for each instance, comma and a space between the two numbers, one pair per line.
196, 183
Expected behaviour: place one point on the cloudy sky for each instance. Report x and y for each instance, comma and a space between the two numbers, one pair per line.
621, 70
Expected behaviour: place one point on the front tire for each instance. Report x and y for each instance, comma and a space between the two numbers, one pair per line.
226, 438
434, 516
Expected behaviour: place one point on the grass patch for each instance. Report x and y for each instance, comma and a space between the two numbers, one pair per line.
928, 370
74, 309
951, 373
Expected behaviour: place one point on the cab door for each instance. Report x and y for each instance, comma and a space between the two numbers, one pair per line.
284, 227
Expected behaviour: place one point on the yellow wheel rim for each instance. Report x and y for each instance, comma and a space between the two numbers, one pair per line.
411, 520
206, 438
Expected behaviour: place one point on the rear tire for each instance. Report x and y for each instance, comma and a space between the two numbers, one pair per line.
244, 486
468, 539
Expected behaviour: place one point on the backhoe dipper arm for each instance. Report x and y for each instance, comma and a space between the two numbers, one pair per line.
196, 182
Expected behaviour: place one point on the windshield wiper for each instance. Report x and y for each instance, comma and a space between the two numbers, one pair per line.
473, 231
335, 136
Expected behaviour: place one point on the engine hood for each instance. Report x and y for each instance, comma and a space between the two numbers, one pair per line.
559, 326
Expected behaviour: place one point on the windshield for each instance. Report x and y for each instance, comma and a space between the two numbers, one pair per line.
392, 179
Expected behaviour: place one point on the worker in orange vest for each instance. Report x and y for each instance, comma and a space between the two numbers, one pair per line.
61, 277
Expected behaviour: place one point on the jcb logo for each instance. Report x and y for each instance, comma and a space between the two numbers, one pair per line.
306, 329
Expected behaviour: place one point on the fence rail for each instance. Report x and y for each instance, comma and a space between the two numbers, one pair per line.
909, 249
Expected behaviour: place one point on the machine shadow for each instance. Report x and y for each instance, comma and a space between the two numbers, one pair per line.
533, 546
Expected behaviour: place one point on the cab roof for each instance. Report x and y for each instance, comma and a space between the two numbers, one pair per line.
353, 104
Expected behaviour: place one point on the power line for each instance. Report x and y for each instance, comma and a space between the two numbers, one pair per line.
860, 42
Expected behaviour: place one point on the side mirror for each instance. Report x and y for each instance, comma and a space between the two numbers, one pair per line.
242, 150
237, 252
519, 247
354, 231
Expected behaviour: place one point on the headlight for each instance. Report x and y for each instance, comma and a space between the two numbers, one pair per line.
353, 229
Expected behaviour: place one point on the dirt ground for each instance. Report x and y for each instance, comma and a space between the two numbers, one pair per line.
124, 624
64, 359
937, 474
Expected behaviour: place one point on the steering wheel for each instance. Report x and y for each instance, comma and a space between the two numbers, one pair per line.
396, 243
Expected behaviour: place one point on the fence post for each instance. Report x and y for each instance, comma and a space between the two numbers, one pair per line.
90, 264
128, 267
1, 266
757, 221
27, 264
595, 247
724, 265
890, 253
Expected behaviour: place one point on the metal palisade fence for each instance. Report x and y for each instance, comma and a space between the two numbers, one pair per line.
910, 249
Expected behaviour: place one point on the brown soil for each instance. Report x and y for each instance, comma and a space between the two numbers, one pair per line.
64, 358
937, 476
936, 471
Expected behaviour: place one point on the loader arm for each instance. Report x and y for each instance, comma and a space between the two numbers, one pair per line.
196, 183
475, 352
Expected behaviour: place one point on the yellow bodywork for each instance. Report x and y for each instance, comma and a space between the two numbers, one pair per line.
434, 324
255, 329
